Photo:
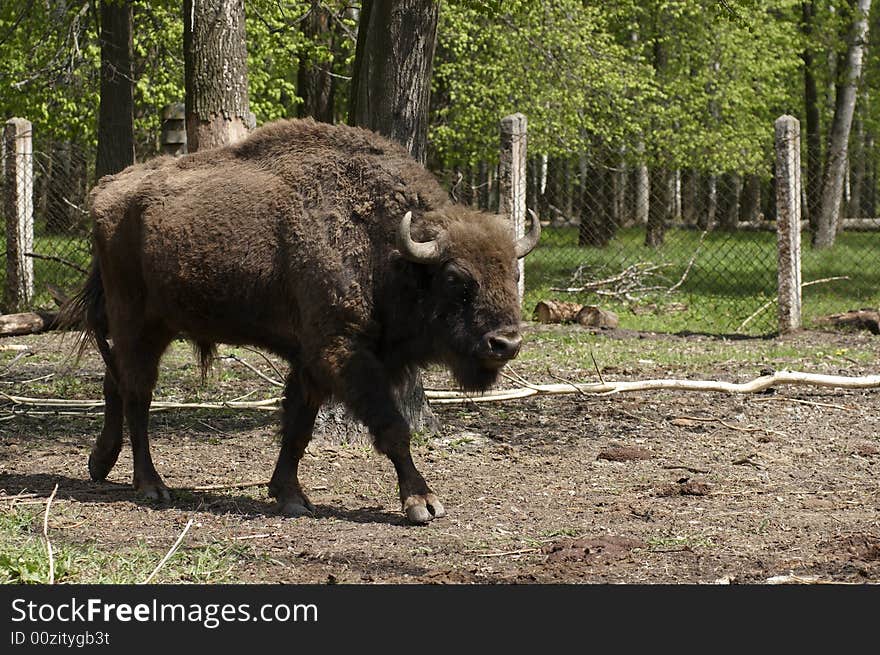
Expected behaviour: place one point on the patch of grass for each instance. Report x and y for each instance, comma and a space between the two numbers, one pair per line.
24, 560
666, 542
565, 348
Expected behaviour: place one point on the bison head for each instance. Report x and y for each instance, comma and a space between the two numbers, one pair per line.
474, 309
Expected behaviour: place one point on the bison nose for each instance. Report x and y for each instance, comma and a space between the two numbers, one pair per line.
502, 344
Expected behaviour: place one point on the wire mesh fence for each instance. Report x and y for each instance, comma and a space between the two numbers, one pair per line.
666, 249
53, 259
681, 250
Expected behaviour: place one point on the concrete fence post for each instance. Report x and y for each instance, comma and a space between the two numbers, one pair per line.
788, 221
19, 209
512, 180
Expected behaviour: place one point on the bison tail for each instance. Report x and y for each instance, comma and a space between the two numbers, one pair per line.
86, 311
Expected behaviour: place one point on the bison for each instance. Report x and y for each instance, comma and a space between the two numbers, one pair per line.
326, 245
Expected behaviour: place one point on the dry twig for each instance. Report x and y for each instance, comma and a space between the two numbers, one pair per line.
46, 536
170, 552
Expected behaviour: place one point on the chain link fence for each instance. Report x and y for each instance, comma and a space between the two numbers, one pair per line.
682, 250
42, 268
671, 250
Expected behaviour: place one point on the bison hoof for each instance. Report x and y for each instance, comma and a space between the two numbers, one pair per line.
294, 506
99, 467
153, 491
423, 509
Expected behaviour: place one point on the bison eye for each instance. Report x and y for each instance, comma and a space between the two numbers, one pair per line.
457, 281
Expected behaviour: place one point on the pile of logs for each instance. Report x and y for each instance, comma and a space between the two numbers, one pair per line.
559, 311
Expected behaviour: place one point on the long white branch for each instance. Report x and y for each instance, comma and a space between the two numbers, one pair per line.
441, 397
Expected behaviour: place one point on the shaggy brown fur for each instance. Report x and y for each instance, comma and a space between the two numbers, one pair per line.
287, 241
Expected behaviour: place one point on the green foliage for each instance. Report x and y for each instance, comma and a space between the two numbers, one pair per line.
690, 81
50, 63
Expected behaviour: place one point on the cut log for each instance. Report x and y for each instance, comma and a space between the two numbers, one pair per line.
27, 323
556, 311
592, 316
860, 319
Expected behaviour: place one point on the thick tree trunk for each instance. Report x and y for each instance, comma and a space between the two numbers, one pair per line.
391, 85
835, 164
215, 68
116, 107
314, 83
813, 181
390, 93
597, 222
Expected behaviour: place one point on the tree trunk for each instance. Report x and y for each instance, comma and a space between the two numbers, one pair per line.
869, 199
689, 196
314, 82
61, 184
390, 92
483, 185
857, 170
116, 107
391, 85
659, 209
709, 219
215, 68
597, 223
750, 199
835, 164
813, 181
728, 201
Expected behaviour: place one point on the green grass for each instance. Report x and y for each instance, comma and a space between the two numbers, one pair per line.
732, 277
24, 559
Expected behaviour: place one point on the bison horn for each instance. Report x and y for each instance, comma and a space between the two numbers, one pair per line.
422, 252
526, 243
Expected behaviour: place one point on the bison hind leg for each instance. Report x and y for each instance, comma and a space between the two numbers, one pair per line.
106, 450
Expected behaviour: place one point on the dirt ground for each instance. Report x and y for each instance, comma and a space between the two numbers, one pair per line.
644, 487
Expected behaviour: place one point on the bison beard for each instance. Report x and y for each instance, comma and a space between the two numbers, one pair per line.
327, 245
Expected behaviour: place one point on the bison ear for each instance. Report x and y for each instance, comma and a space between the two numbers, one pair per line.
421, 252
526, 243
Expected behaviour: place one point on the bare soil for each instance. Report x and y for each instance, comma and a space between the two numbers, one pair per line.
653, 487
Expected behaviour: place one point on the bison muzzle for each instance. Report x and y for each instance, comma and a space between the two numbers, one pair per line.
326, 245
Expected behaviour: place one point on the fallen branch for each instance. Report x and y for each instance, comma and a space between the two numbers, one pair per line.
442, 397
170, 552
46, 536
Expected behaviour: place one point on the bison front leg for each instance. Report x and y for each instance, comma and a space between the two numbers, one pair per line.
420, 504
366, 391
297, 423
